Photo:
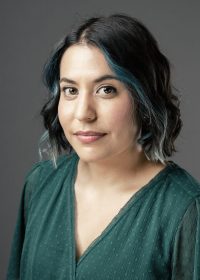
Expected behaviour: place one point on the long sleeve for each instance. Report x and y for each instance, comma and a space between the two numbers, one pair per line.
31, 179
186, 252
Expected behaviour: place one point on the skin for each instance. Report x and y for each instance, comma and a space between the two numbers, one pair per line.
115, 163
113, 168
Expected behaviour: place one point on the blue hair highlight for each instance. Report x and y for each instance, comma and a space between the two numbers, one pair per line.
161, 119
131, 81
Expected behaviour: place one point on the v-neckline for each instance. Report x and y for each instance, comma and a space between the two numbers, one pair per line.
138, 194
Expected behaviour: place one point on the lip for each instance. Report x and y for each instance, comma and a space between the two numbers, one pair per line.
89, 133
89, 138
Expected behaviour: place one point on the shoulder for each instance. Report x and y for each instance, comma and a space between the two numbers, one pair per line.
174, 198
45, 168
44, 172
179, 191
182, 182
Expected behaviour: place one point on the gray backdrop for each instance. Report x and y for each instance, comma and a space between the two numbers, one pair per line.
29, 30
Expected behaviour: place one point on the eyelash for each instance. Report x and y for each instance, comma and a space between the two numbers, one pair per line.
107, 87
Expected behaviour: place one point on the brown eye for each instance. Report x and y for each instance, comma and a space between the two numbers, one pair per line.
68, 91
108, 90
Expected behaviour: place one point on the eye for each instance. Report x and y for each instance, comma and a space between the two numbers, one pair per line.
107, 90
68, 90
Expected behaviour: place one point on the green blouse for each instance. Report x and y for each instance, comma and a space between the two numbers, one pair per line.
155, 235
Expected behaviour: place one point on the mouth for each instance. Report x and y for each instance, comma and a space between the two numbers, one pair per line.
87, 137
89, 133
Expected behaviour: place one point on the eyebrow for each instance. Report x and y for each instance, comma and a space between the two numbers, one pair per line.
98, 80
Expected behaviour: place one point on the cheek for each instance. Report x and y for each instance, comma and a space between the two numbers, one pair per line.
63, 114
121, 114
60, 112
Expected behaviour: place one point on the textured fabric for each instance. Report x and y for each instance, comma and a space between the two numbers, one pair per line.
155, 235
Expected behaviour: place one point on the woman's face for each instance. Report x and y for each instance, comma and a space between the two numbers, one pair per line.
106, 102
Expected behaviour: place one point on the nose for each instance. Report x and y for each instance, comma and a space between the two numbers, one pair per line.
85, 107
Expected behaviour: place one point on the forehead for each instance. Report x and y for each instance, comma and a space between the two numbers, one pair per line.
84, 58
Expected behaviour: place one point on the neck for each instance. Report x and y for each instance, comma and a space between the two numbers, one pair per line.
117, 171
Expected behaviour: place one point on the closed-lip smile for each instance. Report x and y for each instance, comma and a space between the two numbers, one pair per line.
89, 137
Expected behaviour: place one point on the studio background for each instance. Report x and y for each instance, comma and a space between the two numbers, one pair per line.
29, 30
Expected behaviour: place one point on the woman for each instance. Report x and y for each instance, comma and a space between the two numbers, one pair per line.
112, 206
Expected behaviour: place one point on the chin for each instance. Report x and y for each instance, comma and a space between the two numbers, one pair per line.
91, 156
